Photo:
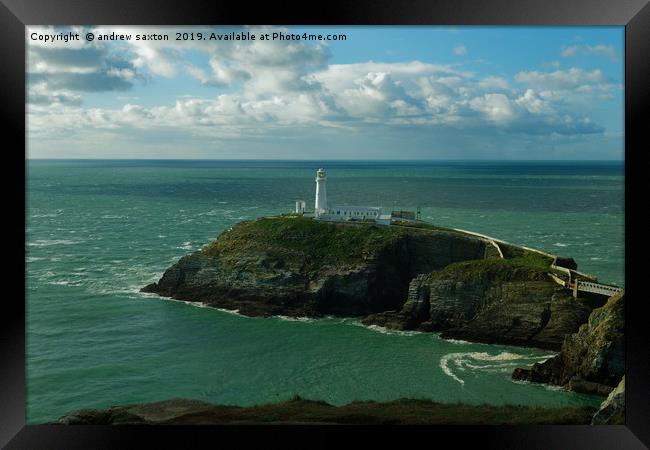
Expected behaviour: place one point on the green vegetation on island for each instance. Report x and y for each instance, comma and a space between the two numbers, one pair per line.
325, 243
535, 265
316, 243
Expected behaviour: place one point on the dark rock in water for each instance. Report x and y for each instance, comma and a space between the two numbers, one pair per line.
612, 410
593, 359
301, 267
494, 301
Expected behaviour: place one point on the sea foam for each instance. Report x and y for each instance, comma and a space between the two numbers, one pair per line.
500, 362
295, 319
48, 242
385, 330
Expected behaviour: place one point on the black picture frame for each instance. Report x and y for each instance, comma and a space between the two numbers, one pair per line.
15, 14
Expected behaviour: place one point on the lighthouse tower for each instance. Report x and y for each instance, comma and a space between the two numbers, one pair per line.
321, 194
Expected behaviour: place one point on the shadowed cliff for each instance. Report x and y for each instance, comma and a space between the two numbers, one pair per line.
592, 360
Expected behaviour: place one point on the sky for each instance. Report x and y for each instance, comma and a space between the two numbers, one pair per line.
416, 92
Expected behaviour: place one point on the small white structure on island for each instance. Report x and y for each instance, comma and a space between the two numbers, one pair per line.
300, 206
323, 211
338, 213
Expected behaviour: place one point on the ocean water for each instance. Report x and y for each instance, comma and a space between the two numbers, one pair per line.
97, 231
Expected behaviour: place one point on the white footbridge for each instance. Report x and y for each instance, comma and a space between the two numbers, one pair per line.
570, 279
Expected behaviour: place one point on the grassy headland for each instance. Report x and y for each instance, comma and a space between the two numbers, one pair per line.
301, 411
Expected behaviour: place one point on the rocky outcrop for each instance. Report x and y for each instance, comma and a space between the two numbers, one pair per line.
612, 410
298, 266
591, 360
494, 301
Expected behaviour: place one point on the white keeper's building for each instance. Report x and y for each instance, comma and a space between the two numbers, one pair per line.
323, 211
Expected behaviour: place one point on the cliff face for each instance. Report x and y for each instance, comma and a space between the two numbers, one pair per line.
591, 360
612, 410
495, 301
297, 266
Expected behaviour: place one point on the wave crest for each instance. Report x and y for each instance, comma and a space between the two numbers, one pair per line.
451, 363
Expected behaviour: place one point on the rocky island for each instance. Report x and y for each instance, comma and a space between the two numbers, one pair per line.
411, 276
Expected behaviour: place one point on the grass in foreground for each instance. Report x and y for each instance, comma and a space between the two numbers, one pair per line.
302, 411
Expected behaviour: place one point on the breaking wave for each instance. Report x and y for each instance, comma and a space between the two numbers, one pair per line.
385, 330
456, 341
452, 363
48, 242
295, 319
186, 245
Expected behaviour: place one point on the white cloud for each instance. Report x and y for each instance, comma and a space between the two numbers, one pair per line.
563, 79
378, 95
533, 103
460, 50
39, 94
342, 76
158, 61
497, 108
76, 65
494, 83
597, 50
197, 73
224, 75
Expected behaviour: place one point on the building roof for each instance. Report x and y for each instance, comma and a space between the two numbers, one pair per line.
354, 207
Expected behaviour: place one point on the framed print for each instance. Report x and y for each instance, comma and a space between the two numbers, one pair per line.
257, 219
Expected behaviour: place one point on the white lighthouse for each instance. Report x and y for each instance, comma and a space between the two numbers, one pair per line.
343, 213
320, 206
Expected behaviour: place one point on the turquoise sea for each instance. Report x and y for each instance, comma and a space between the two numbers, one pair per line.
97, 231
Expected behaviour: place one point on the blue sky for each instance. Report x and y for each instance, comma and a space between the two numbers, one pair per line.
384, 93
